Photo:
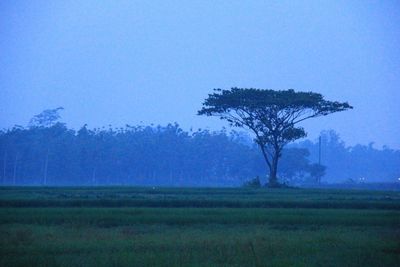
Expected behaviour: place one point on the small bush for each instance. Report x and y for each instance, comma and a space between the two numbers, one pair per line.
253, 183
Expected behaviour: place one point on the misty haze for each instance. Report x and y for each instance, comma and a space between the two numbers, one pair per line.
199, 133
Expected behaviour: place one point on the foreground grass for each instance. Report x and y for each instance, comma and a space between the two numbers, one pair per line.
53, 235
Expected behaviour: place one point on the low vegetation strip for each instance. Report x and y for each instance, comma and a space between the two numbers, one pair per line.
197, 198
168, 203
110, 217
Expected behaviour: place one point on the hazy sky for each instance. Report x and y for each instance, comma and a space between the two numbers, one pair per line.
123, 62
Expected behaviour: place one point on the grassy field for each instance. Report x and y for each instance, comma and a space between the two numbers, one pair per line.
125, 226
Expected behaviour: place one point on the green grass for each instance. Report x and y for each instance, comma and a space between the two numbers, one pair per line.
173, 227
196, 197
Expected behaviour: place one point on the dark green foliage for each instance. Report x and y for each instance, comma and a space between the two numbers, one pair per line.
272, 116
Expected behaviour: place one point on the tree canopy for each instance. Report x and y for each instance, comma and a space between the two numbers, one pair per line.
46, 118
272, 115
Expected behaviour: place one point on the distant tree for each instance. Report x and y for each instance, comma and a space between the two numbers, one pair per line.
317, 171
46, 118
271, 115
294, 165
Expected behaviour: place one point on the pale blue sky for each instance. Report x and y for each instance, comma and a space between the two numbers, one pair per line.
122, 62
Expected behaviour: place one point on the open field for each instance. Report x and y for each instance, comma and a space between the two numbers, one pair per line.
125, 226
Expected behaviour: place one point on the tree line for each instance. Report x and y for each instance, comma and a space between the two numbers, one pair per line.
53, 154
47, 152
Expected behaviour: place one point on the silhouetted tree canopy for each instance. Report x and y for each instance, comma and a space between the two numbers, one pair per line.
273, 116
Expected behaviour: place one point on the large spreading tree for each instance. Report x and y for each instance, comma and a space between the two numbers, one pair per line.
273, 116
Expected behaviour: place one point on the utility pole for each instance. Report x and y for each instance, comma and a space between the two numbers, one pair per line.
94, 176
319, 150
46, 163
15, 169
319, 159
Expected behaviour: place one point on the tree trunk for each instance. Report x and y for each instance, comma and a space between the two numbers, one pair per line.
273, 179
272, 163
